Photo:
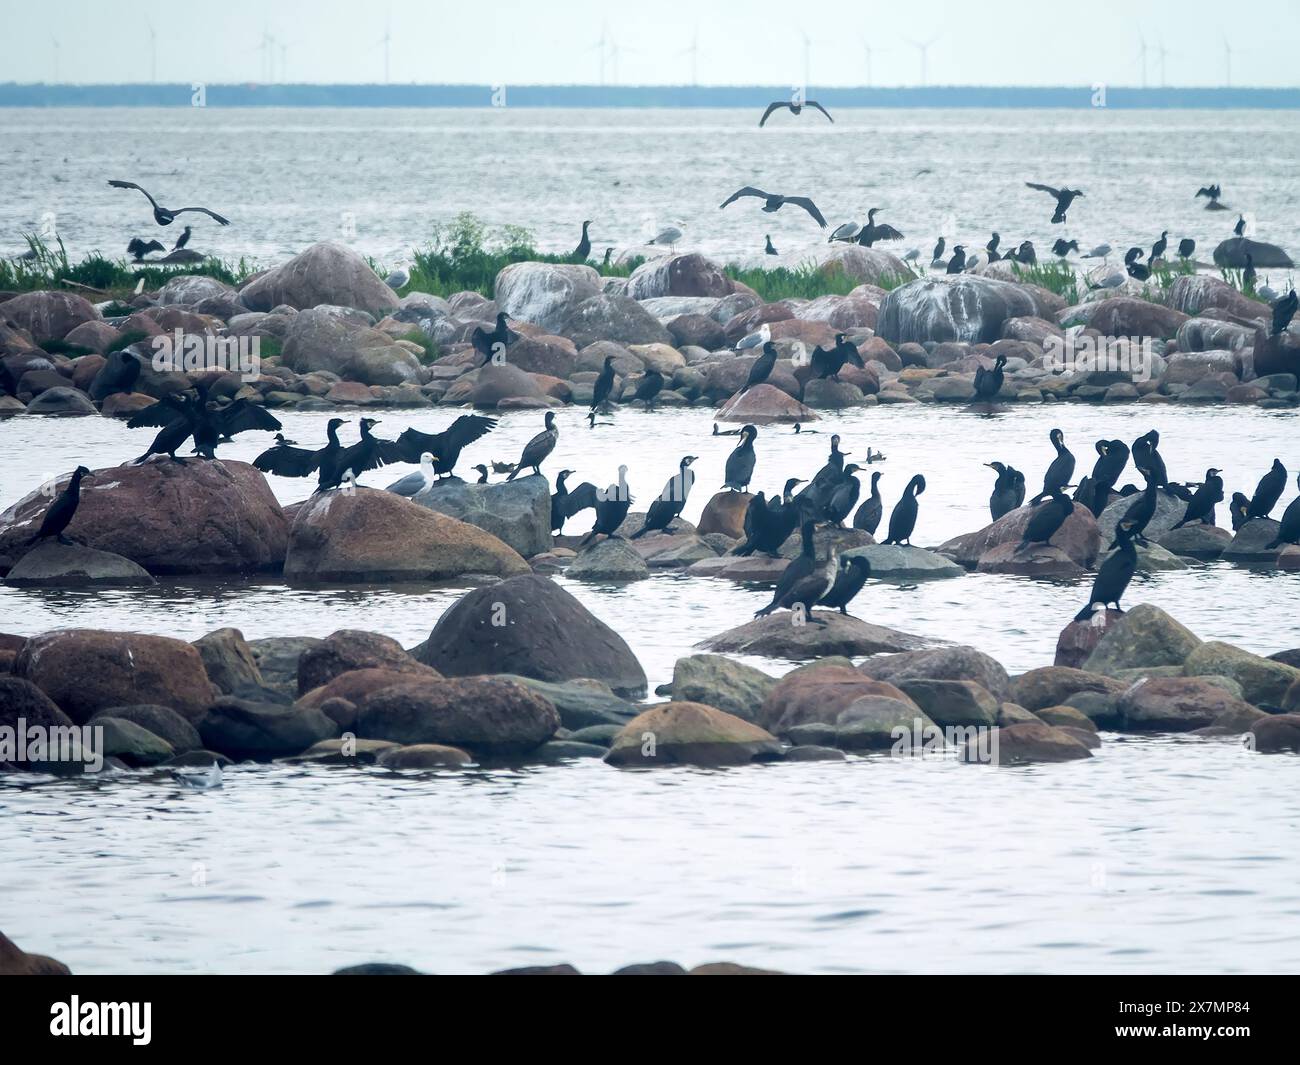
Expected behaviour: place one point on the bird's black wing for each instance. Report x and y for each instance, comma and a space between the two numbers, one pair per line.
203, 210
362, 456
809, 206
465, 430
288, 461
156, 415
1043, 188
242, 416
888, 233
814, 103
581, 498
774, 106
387, 451
133, 185
748, 190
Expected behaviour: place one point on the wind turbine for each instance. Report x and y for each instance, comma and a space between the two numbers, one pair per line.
602, 46
1227, 62
1142, 57
869, 50
694, 52
153, 51
1163, 53
615, 51
55, 42
924, 48
386, 42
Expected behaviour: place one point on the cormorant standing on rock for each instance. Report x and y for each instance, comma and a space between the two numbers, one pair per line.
739, 470
1248, 275
1061, 247
853, 573
804, 580
762, 367
1008, 490
583, 250
183, 239
1047, 520
1289, 531
288, 461
611, 509
668, 505
604, 385
902, 521
1240, 511
175, 432
988, 383
844, 497
649, 386
447, 445
487, 344
482, 473
1115, 573
769, 522
1139, 514
1159, 248
1283, 311
1186, 248
992, 247
60, 512
1061, 469
828, 364
937, 257
1136, 270
1201, 506
138, 248
1112, 457
1267, 492
870, 233
368, 453
1239, 230
958, 261
1063, 196
558, 500
769, 249
1026, 253
1147, 459
872, 510
538, 448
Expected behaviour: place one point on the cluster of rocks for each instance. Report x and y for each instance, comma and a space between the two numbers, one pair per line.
332, 333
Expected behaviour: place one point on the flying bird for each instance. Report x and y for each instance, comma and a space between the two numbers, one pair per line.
164, 216
793, 107
775, 201
1063, 196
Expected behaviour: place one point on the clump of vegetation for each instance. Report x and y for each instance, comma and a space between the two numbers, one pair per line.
430, 346
1057, 277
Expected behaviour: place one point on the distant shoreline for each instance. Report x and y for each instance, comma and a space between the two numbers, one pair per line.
954, 97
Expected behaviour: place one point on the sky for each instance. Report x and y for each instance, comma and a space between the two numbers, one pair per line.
712, 42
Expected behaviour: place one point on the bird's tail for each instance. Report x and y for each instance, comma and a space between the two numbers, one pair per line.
639, 533
1274, 545
1085, 613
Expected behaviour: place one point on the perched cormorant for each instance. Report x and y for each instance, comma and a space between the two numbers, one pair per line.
1159, 248
1283, 311
872, 510
824, 480
1148, 460
368, 453
415, 483
1063, 196
829, 363
1201, 506
853, 573
762, 368
992, 246
804, 581
667, 506
1112, 457
1211, 192
740, 463
650, 385
1061, 468
793, 106
871, 232
1008, 490
1061, 248
183, 239
1136, 270
608, 253
482, 473
1026, 253
288, 461
488, 344
1186, 248
958, 261
603, 387
1239, 229
538, 448
775, 201
1239, 510
447, 445
1047, 520
843, 498
559, 498
768, 249
583, 250
902, 521
1248, 275
1139, 514
1268, 492
1289, 530
138, 248
611, 509
938, 251
988, 383
571, 503
164, 216
182, 416
59, 513
769, 522
1115, 573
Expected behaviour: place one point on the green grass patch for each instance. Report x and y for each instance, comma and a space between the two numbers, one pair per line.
1057, 277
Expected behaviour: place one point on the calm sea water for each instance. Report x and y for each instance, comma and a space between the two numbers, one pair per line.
1137, 860
382, 179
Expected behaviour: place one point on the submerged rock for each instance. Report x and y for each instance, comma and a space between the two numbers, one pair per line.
1279, 732
682, 733
762, 405
779, 635
1264, 682
891, 562
242, 728
51, 563
1027, 743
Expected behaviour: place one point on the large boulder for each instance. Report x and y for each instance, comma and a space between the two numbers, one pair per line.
1233, 253
1194, 293
200, 517
47, 316
1169, 512
820, 693
1025, 744
963, 307
52, 564
953, 703
1142, 638
363, 535
1079, 538
1123, 316
870, 266
516, 512
189, 289
1264, 681
24, 705
229, 660
545, 294
682, 733
319, 339
1251, 542
162, 721
764, 404
617, 318
895, 562
241, 728
326, 273
85, 670
531, 626
498, 382
485, 715
958, 662
717, 680
822, 633
349, 650
1053, 685
1176, 704
678, 275
611, 559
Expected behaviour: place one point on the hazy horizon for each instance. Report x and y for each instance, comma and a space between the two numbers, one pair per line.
1001, 43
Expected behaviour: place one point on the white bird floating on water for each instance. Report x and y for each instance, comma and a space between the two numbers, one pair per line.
755, 339
415, 483
201, 778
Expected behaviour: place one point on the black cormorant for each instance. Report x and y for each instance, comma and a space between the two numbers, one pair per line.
902, 521
1268, 492
768, 249
828, 364
164, 216
1289, 530
583, 250
604, 385
1136, 270
793, 106
1201, 506
490, 344
853, 573
183, 239
1047, 520
559, 498
958, 261
1115, 573
740, 463
992, 246
1112, 457
447, 445
1062, 247
843, 498
870, 233
1147, 459
1026, 253
482, 473
667, 506
804, 580
988, 383
1239, 229
1139, 514
1239, 510
872, 510
1159, 248
1186, 248
775, 201
1008, 490
769, 522
538, 448
939, 246
612, 506
138, 248
288, 461
1248, 275
1283, 311
368, 453
650, 385
1063, 196
59, 513
181, 415
761, 369
1061, 468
